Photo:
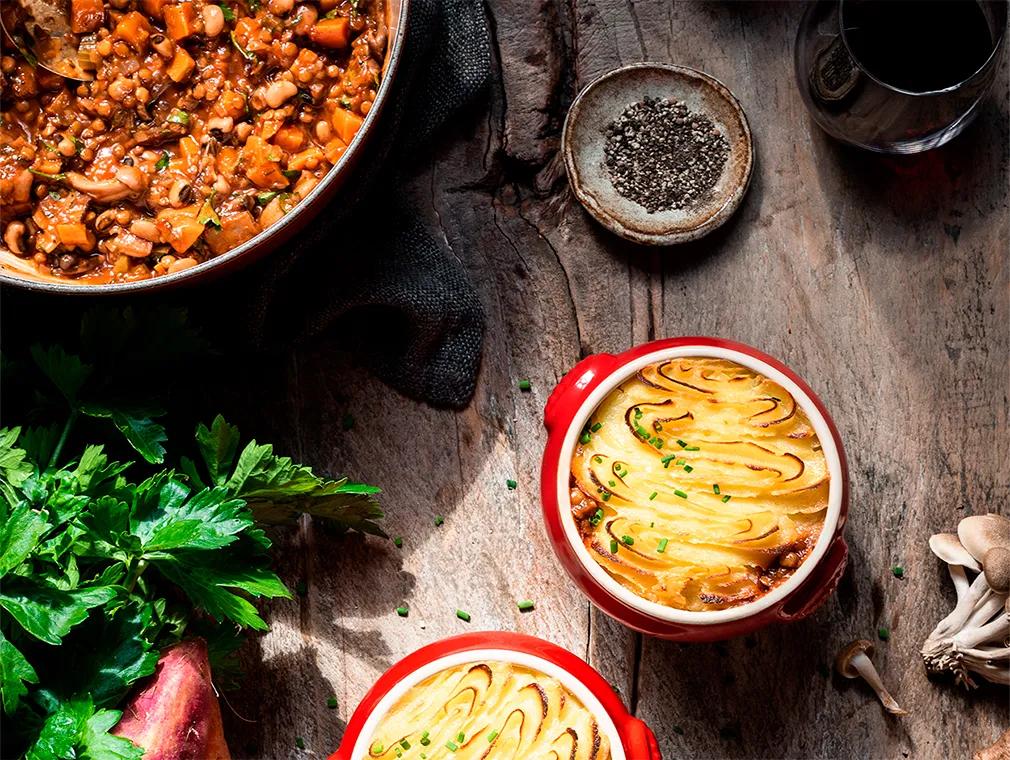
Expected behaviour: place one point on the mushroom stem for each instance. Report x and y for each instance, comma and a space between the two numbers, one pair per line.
864, 667
994, 631
965, 606
987, 606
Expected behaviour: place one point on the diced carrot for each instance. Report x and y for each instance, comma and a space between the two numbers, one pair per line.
189, 151
180, 227
335, 149
346, 124
86, 15
230, 103
134, 29
266, 175
180, 21
268, 126
235, 229
290, 138
331, 32
301, 160
72, 234
227, 160
181, 66
155, 8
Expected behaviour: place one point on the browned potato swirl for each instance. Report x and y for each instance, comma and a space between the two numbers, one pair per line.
489, 710
699, 484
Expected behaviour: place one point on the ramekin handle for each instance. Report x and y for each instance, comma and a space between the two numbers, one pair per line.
573, 388
639, 741
819, 586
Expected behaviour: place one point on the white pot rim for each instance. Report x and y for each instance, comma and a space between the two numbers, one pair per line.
533, 662
830, 446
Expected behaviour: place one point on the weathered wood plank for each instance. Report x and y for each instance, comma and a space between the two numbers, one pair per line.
883, 282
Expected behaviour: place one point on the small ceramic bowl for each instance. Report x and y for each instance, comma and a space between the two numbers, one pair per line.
630, 738
585, 134
572, 403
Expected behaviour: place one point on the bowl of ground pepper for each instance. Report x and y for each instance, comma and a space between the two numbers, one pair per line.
658, 153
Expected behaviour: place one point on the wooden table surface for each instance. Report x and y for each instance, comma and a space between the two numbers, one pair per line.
882, 282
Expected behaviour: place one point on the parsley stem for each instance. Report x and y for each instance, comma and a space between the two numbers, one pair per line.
135, 574
63, 438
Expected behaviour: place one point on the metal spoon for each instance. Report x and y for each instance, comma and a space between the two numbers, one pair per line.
49, 40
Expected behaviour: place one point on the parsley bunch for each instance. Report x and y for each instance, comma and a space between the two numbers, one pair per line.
103, 562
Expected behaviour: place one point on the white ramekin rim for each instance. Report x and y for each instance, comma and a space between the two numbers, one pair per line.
829, 445
515, 657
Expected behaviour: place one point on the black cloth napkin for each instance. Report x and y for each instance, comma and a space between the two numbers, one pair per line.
365, 270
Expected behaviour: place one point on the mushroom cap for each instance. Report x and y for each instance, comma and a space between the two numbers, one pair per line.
980, 533
948, 547
843, 662
997, 569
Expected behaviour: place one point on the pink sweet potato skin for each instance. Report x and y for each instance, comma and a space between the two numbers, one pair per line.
175, 715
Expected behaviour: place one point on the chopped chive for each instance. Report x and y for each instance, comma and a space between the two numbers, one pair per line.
658, 443
680, 462
611, 483
377, 749
638, 413
662, 545
606, 495
525, 605
653, 495
425, 741
652, 524
715, 488
596, 427
688, 468
525, 385
398, 542
657, 426
692, 448
512, 485
642, 432
460, 737
492, 736
682, 444
627, 540
439, 520
726, 498
667, 459
883, 633
598, 460
299, 742
331, 702
402, 611
613, 546
680, 493
899, 571
405, 744
597, 518
464, 616
451, 747
585, 438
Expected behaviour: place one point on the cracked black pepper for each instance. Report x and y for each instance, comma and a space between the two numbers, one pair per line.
663, 156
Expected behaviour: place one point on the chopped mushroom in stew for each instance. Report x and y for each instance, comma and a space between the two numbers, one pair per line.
205, 123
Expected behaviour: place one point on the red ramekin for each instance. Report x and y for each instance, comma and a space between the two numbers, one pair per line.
569, 407
630, 738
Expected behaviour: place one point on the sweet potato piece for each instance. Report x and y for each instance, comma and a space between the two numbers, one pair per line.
346, 124
175, 715
236, 228
180, 21
181, 66
290, 138
179, 227
331, 32
134, 29
227, 160
86, 15
72, 234
154, 8
262, 164
230, 103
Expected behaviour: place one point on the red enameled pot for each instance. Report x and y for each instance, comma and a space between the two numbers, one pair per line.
569, 407
630, 738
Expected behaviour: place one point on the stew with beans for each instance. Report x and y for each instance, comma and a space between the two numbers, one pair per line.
204, 124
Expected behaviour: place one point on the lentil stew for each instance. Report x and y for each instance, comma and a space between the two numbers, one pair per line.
205, 123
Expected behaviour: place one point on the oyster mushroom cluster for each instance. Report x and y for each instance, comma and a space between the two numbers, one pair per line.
974, 639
